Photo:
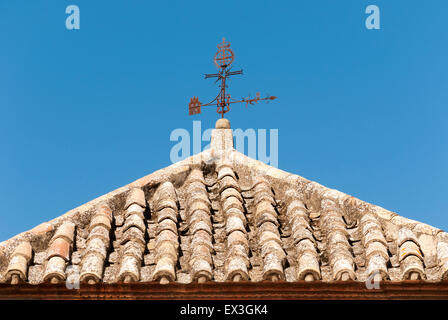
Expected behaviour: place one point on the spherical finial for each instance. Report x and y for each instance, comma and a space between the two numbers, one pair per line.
222, 124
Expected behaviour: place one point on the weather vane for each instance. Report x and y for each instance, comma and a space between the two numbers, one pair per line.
223, 61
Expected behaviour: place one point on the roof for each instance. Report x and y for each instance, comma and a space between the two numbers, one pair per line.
220, 216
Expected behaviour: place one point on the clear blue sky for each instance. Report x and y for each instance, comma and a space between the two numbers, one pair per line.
84, 112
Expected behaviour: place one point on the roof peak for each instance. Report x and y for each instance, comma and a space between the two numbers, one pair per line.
222, 124
222, 137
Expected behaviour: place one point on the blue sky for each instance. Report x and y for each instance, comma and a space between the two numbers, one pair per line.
83, 112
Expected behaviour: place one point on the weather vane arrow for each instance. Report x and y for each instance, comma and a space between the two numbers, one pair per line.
223, 60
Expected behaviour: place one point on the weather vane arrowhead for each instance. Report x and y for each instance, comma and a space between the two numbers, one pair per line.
223, 60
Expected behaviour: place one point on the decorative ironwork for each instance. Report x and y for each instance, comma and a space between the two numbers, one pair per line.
223, 60
194, 107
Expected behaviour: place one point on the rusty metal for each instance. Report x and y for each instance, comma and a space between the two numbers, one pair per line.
194, 106
223, 59
242, 290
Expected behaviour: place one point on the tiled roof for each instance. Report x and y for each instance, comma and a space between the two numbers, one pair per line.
221, 216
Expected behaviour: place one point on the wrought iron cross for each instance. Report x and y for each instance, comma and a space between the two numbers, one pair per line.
223, 60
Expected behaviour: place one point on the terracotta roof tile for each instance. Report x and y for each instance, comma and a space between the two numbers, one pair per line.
60, 247
210, 219
17, 268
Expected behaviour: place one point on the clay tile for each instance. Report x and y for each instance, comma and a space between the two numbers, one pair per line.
231, 203
368, 218
295, 206
167, 224
267, 217
100, 220
166, 249
374, 235
197, 193
223, 165
302, 233
238, 250
167, 213
17, 266
166, 190
60, 247
105, 210
273, 268
308, 264
201, 268
377, 263
66, 231
412, 268
228, 182
164, 268
263, 196
236, 268
134, 249
132, 234
332, 222
198, 205
269, 236
230, 192
340, 252
269, 226
367, 227
167, 235
92, 268
129, 269
237, 237
192, 201
55, 269
99, 232
201, 252
199, 215
135, 209
328, 205
41, 229
342, 266
196, 175
442, 250
377, 248
201, 225
237, 213
166, 203
306, 246
196, 186
272, 247
23, 249
233, 223
332, 194
405, 234
226, 171
298, 220
409, 248
260, 184
135, 196
97, 246
134, 221
202, 238
265, 207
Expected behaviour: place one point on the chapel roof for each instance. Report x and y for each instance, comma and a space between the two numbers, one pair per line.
220, 216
